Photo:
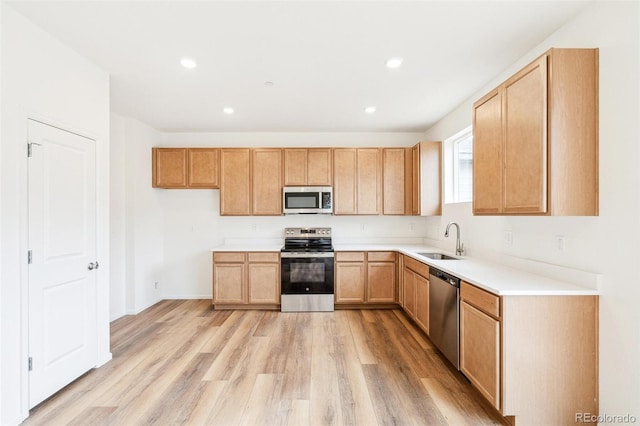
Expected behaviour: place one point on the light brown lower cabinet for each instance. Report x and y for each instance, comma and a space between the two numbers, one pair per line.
243, 279
422, 302
263, 278
480, 351
365, 278
415, 290
409, 292
534, 358
350, 277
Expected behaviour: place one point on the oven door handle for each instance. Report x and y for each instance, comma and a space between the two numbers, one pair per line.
290, 255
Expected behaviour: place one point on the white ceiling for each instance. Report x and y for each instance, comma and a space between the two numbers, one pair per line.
326, 58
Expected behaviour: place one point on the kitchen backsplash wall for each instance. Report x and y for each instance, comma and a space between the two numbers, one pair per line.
193, 226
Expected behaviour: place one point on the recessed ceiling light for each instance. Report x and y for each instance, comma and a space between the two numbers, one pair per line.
370, 109
269, 83
394, 62
228, 110
188, 63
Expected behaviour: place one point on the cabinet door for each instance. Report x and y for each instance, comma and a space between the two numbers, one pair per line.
415, 177
525, 144
203, 168
228, 283
319, 170
381, 282
487, 154
400, 275
394, 182
169, 167
422, 302
350, 279
369, 177
480, 351
267, 182
235, 182
430, 178
344, 181
295, 166
264, 283
409, 292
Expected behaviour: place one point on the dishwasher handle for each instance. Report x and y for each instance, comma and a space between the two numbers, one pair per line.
449, 279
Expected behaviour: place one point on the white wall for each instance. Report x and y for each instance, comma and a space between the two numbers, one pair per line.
136, 218
117, 241
609, 243
42, 78
192, 223
1, 285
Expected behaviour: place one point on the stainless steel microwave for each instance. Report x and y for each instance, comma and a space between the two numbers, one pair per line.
307, 200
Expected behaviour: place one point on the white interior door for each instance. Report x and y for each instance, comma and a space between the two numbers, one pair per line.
62, 241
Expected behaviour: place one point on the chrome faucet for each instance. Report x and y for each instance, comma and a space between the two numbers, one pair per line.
459, 245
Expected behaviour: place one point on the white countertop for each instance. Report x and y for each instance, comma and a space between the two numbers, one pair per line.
249, 247
493, 277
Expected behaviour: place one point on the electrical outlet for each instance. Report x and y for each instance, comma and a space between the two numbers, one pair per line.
155, 285
413, 226
560, 242
508, 238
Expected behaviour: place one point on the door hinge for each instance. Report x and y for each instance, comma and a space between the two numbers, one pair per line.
30, 364
29, 257
30, 148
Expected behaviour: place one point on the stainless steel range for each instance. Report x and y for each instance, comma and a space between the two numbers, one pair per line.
307, 270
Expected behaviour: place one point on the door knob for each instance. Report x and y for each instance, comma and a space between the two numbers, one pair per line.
91, 266
97, 264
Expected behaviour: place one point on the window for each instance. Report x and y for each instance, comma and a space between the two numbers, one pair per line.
459, 167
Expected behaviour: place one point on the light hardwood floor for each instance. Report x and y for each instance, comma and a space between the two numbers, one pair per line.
181, 362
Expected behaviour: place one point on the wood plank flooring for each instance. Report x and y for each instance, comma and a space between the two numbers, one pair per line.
181, 362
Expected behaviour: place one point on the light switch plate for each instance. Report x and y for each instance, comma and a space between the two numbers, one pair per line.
508, 237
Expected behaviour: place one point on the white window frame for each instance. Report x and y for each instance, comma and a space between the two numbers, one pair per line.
451, 173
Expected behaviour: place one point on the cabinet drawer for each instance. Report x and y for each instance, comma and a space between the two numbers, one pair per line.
264, 256
415, 266
381, 256
481, 299
226, 256
350, 256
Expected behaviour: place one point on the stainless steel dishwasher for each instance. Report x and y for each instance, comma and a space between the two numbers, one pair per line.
444, 318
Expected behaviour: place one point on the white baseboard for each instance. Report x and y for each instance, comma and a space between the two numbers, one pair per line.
186, 296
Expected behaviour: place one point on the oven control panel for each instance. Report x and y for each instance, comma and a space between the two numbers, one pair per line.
306, 232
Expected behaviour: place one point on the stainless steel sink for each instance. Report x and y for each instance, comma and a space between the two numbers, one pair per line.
438, 256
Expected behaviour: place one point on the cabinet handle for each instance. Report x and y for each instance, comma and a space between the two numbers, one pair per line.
91, 266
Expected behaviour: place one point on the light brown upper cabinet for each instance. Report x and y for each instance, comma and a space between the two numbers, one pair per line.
185, 167
535, 143
235, 181
307, 166
204, 168
357, 176
397, 181
426, 179
267, 181
487, 155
